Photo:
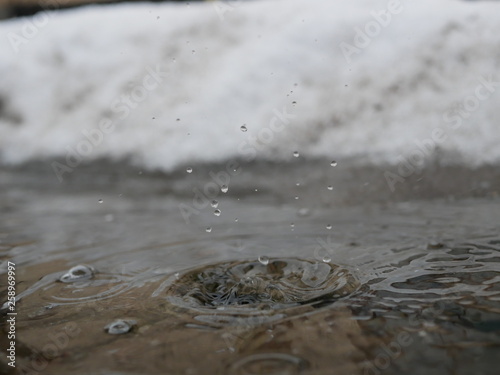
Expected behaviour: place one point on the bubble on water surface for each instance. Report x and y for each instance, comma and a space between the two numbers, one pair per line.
77, 273
119, 327
264, 260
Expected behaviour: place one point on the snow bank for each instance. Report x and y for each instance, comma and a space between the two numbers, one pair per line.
169, 84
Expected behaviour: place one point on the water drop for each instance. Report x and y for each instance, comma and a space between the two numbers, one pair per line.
296, 154
189, 170
333, 163
214, 204
330, 187
264, 260
224, 188
119, 327
236, 220
100, 201
217, 212
297, 184
77, 273
243, 128
329, 226
327, 259
292, 225
208, 230
296, 197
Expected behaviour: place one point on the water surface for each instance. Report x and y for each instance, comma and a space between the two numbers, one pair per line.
350, 280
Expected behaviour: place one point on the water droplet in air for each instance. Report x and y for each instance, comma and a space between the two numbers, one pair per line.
292, 225
330, 187
333, 163
329, 226
77, 273
189, 170
217, 212
296, 197
236, 220
297, 184
243, 128
224, 188
264, 260
214, 204
208, 230
327, 259
120, 326
296, 154
100, 201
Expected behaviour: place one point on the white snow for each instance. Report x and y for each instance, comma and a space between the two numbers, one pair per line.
220, 65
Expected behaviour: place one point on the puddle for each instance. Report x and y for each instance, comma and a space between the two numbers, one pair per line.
411, 287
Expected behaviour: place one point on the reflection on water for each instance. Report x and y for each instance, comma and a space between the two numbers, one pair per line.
381, 287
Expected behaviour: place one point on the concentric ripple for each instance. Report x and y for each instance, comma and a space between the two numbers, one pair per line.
275, 284
269, 363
